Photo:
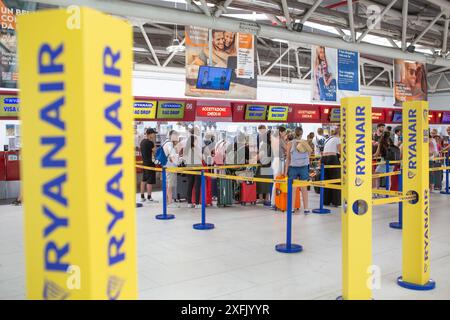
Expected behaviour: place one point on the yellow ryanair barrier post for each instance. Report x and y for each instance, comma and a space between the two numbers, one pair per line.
416, 218
78, 159
356, 125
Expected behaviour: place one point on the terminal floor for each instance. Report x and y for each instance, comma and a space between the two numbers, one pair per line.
237, 259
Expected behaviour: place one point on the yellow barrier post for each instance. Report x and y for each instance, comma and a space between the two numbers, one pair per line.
416, 218
78, 160
356, 124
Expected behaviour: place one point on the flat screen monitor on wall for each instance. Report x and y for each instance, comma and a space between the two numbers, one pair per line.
446, 117
255, 112
213, 78
397, 117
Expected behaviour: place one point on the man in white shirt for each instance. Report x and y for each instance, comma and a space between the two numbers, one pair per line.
318, 142
397, 137
172, 161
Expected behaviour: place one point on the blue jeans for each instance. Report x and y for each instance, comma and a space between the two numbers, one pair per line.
301, 173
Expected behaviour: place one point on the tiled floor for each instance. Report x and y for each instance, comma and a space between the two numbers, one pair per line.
237, 259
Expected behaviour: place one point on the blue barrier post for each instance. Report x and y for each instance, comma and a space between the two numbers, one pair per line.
388, 187
164, 215
203, 225
399, 224
289, 247
321, 210
447, 171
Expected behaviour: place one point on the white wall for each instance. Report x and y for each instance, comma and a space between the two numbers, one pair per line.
170, 82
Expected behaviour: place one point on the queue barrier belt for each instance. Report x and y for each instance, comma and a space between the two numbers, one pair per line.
381, 201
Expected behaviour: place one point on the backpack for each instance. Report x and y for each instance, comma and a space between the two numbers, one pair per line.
320, 144
392, 153
160, 155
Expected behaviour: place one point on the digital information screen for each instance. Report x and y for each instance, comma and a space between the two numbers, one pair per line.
9, 106
335, 115
144, 109
255, 112
446, 117
170, 110
277, 113
213, 78
397, 117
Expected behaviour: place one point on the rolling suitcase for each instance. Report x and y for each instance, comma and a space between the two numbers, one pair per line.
225, 192
281, 196
179, 192
208, 192
248, 193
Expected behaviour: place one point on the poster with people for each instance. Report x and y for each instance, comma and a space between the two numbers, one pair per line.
334, 73
324, 74
232, 71
410, 81
9, 9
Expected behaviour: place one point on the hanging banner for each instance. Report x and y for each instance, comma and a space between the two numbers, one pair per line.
410, 81
231, 73
144, 109
9, 10
335, 74
348, 73
324, 73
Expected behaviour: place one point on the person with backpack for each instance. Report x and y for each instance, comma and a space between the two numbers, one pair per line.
388, 152
167, 157
318, 142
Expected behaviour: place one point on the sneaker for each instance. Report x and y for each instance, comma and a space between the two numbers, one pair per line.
267, 204
143, 200
190, 205
173, 205
198, 206
150, 199
306, 211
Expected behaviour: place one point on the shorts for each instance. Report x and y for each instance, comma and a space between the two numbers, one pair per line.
171, 179
301, 173
149, 176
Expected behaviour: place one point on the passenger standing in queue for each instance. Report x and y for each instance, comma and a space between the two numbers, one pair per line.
169, 148
330, 156
193, 157
381, 151
147, 147
433, 153
278, 145
264, 189
297, 164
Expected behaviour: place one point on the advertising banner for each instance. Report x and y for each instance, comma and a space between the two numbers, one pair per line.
9, 10
410, 81
348, 73
277, 113
324, 74
335, 74
231, 73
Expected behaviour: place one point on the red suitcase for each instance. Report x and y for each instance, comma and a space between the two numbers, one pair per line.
208, 192
248, 193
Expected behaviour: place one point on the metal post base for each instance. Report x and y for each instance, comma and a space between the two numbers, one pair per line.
293, 248
395, 225
201, 226
165, 216
321, 211
445, 192
430, 285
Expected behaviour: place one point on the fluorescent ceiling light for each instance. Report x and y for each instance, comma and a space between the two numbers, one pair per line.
137, 49
279, 40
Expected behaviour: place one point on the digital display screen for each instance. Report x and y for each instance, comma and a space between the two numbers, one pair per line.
335, 115
9, 106
446, 117
277, 113
255, 112
397, 117
170, 110
144, 109
213, 78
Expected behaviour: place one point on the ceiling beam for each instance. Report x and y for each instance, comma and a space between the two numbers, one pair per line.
149, 44
310, 11
171, 15
286, 14
404, 23
377, 20
351, 22
427, 28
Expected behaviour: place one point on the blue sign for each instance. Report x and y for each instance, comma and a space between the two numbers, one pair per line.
348, 68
